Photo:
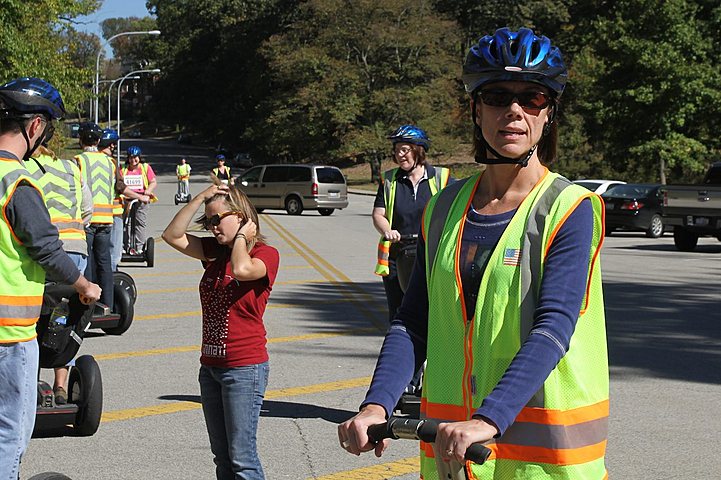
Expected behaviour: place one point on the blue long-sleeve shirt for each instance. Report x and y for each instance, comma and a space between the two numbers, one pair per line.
559, 303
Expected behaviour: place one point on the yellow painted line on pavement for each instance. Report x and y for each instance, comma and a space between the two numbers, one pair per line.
358, 297
176, 407
191, 348
383, 471
157, 316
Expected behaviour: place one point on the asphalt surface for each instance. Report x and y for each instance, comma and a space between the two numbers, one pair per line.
325, 324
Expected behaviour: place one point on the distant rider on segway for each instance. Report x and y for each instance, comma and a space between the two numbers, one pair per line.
140, 178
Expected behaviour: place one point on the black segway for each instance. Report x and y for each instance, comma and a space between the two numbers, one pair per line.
131, 252
61, 327
117, 320
410, 402
182, 196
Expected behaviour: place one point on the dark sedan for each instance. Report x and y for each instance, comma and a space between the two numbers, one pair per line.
634, 207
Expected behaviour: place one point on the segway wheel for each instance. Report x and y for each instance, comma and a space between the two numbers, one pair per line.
176, 199
127, 282
85, 389
149, 252
124, 295
50, 476
188, 198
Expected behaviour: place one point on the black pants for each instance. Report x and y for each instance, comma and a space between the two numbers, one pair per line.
99, 269
394, 294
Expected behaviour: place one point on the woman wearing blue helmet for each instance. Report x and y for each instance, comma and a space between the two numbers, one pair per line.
399, 203
506, 281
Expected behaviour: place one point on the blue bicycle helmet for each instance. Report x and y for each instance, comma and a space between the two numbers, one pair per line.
515, 56
109, 137
410, 134
27, 95
219, 157
134, 151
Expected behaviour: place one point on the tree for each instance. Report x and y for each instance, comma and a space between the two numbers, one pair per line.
31, 44
345, 73
653, 87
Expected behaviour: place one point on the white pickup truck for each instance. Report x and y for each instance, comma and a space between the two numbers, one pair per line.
694, 210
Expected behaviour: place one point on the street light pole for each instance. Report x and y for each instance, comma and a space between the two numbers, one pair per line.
120, 86
96, 85
110, 91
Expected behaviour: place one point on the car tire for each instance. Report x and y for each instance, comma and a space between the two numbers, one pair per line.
655, 227
326, 211
123, 305
85, 389
149, 252
609, 231
293, 205
684, 240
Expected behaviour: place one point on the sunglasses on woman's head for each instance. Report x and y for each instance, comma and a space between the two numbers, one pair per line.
215, 220
502, 98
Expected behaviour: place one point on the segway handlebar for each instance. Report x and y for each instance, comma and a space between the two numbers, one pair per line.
413, 237
425, 430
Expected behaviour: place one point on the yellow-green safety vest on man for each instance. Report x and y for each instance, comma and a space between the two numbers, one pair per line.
183, 171
438, 182
561, 433
23, 280
61, 184
99, 172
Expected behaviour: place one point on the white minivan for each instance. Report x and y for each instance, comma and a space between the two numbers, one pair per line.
295, 188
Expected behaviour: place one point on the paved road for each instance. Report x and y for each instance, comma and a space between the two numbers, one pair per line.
325, 324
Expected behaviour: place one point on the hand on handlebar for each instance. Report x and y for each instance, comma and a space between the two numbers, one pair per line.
454, 438
392, 236
353, 433
89, 293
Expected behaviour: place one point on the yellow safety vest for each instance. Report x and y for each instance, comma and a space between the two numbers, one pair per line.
183, 171
99, 172
23, 280
562, 432
117, 200
137, 179
440, 180
62, 189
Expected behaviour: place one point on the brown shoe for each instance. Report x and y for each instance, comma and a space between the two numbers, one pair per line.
61, 396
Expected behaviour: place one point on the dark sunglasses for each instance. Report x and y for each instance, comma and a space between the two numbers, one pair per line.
503, 98
215, 220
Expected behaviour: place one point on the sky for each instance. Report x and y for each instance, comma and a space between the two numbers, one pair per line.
111, 9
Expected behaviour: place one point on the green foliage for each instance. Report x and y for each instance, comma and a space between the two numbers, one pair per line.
348, 72
651, 86
33, 42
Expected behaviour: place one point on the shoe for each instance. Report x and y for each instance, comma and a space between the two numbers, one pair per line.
61, 396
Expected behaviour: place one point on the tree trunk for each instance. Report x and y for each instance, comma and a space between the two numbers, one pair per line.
662, 170
374, 160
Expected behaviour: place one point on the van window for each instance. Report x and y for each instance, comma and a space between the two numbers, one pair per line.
276, 174
298, 174
251, 176
329, 175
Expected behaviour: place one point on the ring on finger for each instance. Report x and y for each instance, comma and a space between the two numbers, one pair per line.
345, 444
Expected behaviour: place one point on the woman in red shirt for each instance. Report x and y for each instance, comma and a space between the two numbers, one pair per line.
240, 270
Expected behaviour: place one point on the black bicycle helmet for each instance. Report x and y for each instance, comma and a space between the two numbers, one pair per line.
515, 56
27, 96
90, 133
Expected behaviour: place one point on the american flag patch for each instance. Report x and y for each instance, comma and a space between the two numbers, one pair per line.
512, 257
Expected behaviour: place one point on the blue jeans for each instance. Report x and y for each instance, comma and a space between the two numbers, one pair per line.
99, 269
18, 400
231, 399
116, 242
80, 260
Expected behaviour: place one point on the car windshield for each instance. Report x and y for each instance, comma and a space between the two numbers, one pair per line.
589, 185
629, 191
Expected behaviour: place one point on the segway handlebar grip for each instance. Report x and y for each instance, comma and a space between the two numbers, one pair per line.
421, 429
